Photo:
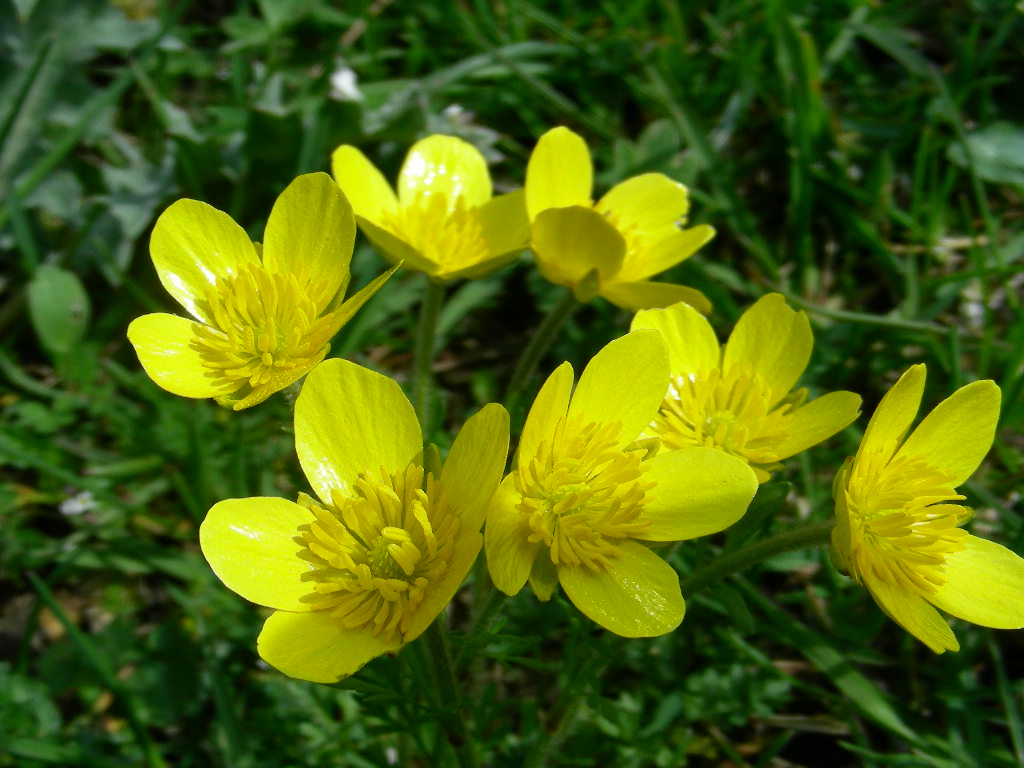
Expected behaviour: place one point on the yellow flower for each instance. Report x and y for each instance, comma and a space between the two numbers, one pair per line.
739, 399
610, 248
897, 524
263, 315
366, 567
584, 498
443, 221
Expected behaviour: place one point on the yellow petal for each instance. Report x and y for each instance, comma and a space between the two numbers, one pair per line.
365, 187
445, 165
164, 346
550, 405
355, 302
674, 248
396, 250
316, 647
476, 463
650, 206
543, 576
692, 345
348, 420
251, 546
310, 234
506, 229
914, 614
638, 597
559, 172
467, 547
894, 414
277, 379
698, 491
644, 294
984, 585
775, 340
192, 245
509, 553
956, 435
624, 382
570, 243
816, 421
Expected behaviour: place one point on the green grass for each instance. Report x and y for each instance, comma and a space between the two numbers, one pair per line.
861, 158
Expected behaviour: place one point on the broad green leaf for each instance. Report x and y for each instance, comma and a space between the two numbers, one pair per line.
59, 308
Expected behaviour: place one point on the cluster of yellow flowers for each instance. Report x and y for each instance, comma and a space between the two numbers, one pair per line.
665, 437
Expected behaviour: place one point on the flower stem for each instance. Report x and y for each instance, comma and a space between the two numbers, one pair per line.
451, 713
538, 345
423, 353
797, 538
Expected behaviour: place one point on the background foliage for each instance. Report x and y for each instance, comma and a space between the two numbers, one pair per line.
867, 159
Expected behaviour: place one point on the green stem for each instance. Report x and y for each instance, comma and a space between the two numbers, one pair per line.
451, 713
798, 538
538, 345
423, 353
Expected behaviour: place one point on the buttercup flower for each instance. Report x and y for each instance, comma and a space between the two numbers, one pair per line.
897, 517
366, 567
444, 221
263, 316
741, 399
609, 248
584, 498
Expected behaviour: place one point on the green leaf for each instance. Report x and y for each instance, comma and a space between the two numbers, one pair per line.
59, 308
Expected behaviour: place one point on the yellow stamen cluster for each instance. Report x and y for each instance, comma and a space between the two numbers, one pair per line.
377, 554
262, 324
583, 494
450, 238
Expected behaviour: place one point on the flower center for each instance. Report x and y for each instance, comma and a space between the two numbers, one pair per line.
450, 237
730, 411
583, 495
901, 526
262, 324
377, 554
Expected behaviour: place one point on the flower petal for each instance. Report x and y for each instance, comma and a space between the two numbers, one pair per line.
673, 249
509, 552
316, 647
699, 491
914, 614
638, 597
348, 420
253, 547
396, 250
816, 421
570, 243
476, 463
894, 414
192, 245
624, 382
443, 590
506, 228
355, 302
958, 433
984, 585
692, 345
310, 234
164, 346
276, 380
559, 172
550, 405
365, 187
775, 340
644, 294
444, 165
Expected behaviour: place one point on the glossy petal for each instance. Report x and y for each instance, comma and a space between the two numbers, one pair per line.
509, 554
445, 165
914, 614
818, 420
651, 205
638, 597
895, 413
675, 248
550, 405
569, 243
775, 339
278, 380
365, 187
699, 491
316, 647
355, 302
984, 585
958, 433
192, 245
310, 233
253, 547
506, 228
476, 463
443, 590
645, 294
348, 420
164, 346
692, 345
625, 382
559, 172
396, 250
